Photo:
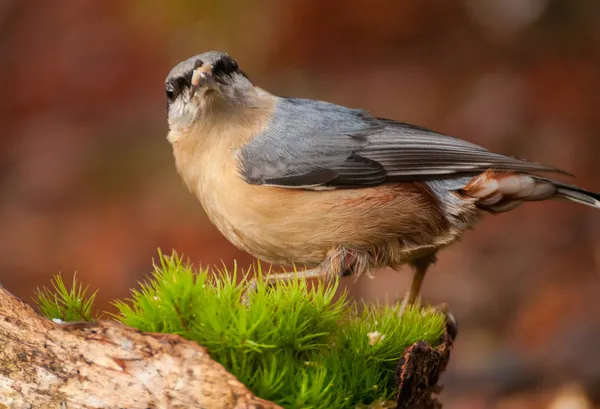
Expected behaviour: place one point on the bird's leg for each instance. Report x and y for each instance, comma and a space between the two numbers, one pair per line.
420, 265
271, 279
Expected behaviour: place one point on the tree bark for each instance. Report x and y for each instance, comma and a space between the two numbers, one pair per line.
107, 365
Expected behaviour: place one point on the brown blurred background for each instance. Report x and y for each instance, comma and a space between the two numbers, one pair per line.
88, 183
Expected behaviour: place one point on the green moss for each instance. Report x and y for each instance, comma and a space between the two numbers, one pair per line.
64, 304
296, 345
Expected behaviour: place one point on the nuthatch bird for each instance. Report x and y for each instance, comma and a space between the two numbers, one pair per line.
304, 182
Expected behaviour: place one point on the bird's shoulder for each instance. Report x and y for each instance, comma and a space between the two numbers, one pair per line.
316, 118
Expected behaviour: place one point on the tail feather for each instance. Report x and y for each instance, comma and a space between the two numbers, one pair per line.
576, 194
499, 192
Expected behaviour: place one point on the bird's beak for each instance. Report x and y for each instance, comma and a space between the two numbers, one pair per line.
200, 76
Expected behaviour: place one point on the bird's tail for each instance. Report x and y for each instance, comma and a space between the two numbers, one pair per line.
499, 192
575, 194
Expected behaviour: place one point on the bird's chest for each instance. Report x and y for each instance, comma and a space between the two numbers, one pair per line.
230, 203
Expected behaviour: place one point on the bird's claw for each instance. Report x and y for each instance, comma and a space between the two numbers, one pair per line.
252, 286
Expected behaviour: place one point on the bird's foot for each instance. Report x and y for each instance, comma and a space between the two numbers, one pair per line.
251, 289
407, 302
271, 279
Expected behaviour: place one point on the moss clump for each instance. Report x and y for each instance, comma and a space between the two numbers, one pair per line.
64, 304
298, 346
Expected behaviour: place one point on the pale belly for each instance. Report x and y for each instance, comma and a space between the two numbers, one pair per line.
287, 226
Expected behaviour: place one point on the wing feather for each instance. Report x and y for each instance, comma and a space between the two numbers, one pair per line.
314, 144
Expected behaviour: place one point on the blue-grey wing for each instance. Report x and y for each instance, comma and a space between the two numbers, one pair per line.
314, 144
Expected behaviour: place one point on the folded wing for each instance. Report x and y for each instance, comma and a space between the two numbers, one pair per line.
317, 145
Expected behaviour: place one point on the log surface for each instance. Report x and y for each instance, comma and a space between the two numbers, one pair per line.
107, 365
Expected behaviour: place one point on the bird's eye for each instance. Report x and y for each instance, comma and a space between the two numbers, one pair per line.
170, 93
225, 66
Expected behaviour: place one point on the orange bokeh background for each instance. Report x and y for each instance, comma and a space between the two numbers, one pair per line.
89, 184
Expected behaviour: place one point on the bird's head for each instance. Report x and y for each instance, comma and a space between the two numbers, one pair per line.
205, 86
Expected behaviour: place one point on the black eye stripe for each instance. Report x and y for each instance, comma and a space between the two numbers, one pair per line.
224, 66
176, 85
185, 80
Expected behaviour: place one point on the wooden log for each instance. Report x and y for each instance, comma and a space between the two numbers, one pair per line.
107, 365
